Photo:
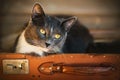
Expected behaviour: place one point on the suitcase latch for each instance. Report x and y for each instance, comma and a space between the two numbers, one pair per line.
17, 66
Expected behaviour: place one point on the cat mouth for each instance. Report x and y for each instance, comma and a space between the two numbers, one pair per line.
49, 50
49, 47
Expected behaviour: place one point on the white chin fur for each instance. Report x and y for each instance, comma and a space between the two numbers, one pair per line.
24, 47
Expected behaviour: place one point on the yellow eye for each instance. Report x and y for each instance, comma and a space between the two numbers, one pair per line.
57, 36
42, 31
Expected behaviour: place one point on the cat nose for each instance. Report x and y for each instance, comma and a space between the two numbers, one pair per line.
47, 44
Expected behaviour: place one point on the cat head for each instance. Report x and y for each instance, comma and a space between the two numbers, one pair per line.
47, 31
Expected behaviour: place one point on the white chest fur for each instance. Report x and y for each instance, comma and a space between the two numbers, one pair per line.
24, 47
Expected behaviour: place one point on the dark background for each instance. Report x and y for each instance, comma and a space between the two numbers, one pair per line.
101, 17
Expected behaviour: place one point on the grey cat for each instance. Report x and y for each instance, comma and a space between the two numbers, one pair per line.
47, 34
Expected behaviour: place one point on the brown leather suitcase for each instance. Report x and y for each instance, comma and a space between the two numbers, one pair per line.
60, 67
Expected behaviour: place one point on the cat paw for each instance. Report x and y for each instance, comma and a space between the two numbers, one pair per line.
48, 54
33, 54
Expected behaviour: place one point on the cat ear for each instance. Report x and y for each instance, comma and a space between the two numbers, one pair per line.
38, 13
69, 22
38, 10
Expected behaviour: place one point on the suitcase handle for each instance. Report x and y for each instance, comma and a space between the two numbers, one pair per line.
52, 68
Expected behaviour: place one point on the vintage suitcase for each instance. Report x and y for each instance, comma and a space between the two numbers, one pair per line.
60, 67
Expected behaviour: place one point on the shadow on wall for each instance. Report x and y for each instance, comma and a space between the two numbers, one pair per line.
113, 47
0, 25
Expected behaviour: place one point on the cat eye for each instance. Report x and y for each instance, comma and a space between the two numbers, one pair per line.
57, 36
42, 31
